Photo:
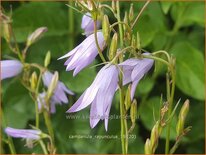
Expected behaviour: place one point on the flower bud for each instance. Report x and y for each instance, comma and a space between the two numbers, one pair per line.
131, 12
6, 31
154, 137
133, 111
127, 101
182, 116
125, 20
53, 84
106, 27
138, 46
113, 47
36, 35
134, 42
33, 81
47, 59
114, 5
147, 147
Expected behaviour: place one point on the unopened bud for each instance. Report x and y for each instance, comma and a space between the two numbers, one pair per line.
127, 101
147, 147
125, 20
6, 31
131, 12
33, 81
106, 27
182, 116
53, 84
113, 47
36, 35
114, 5
133, 111
47, 59
138, 45
134, 42
154, 137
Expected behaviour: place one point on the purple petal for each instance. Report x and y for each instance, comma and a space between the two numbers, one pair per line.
21, 133
10, 68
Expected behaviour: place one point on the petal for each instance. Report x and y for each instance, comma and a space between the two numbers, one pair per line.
10, 68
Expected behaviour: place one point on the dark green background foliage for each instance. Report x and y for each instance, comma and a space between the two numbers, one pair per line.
177, 27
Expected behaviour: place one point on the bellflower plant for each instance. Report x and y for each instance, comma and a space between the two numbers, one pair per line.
99, 95
10, 68
84, 54
88, 24
123, 64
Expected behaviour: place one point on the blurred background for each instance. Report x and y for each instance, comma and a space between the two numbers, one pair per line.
177, 27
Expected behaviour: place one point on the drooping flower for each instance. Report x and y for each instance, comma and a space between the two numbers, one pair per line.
10, 68
134, 70
60, 92
99, 95
88, 24
23, 133
84, 54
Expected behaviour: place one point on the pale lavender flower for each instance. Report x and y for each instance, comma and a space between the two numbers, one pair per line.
99, 95
88, 24
23, 133
30, 135
84, 54
10, 68
134, 70
60, 92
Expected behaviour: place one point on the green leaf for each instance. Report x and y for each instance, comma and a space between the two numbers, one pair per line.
189, 13
18, 106
189, 70
148, 25
32, 15
166, 6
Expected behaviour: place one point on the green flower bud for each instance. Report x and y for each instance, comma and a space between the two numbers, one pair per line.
131, 12
127, 101
182, 116
125, 20
133, 111
53, 85
147, 147
114, 5
138, 45
36, 35
6, 31
106, 27
33, 81
113, 47
154, 137
47, 59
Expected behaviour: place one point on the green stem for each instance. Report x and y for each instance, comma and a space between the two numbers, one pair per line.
96, 41
167, 145
122, 118
71, 26
156, 58
50, 130
49, 125
120, 25
43, 147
